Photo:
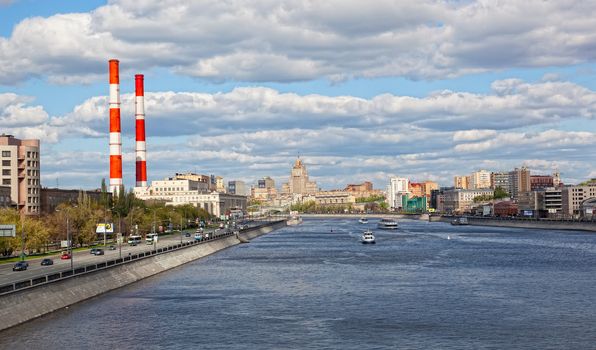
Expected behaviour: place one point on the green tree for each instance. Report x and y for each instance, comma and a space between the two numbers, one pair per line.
500, 193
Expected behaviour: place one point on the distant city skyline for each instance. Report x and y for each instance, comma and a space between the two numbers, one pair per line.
425, 90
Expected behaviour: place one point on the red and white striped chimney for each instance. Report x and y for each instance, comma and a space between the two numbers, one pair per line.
141, 150
115, 131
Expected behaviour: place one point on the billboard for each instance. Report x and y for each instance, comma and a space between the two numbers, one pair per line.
107, 227
8, 230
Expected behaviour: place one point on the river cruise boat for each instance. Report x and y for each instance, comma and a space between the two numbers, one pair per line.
368, 237
387, 224
294, 219
460, 221
363, 221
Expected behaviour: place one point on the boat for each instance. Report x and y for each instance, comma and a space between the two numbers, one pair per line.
460, 221
294, 219
368, 237
387, 224
363, 221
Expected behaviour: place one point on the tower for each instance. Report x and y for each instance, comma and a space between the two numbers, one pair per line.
115, 130
140, 148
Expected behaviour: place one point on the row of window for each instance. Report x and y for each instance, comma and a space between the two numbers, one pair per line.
32, 164
34, 182
32, 190
5, 153
32, 172
33, 200
32, 154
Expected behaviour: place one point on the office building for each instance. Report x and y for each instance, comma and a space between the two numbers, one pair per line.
20, 170
237, 187
461, 201
572, 198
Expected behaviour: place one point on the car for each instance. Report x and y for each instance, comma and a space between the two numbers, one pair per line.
112, 247
20, 266
93, 250
65, 256
187, 234
98, 252
47, 262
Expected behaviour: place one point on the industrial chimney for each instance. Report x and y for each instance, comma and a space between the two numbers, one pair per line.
115, 131
141, 150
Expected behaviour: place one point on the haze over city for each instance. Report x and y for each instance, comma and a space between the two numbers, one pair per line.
426, 91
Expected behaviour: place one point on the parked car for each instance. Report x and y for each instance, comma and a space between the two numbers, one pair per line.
65, 256
20, 266
47, 262
187, 234
112, 247
93, 250
98, 252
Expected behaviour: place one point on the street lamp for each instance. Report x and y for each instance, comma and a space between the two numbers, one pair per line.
69, 238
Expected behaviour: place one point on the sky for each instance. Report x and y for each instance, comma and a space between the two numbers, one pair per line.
360, 90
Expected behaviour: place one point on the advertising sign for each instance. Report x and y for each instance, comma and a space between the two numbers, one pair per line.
8, 230
528, 213
105, 228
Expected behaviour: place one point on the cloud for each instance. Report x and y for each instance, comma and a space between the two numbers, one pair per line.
296, 40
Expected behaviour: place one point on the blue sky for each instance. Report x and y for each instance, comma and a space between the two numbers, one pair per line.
362, 91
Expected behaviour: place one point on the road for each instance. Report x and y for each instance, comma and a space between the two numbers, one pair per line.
82, 258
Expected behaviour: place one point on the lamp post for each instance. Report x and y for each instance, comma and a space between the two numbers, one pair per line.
69, 240
22, 238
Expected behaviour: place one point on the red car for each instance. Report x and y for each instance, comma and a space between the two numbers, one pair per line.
65, 256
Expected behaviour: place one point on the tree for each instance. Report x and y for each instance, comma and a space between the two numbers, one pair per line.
500, 193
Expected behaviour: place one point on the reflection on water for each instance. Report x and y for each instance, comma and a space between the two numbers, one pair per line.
315, 286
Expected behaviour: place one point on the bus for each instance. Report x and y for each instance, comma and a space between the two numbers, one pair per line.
134, 239
151, 238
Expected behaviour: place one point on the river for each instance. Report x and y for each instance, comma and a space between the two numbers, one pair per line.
315, 286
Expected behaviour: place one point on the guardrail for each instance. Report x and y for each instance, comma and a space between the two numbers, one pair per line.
83, 270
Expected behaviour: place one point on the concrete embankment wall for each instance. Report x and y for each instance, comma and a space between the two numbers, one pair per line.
535, 224
24, 305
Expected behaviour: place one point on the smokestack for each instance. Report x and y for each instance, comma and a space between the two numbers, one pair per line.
141, 150
115, 131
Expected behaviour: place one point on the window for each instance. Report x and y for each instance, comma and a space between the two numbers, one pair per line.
6, 181
5, 171
5, 153
6, 163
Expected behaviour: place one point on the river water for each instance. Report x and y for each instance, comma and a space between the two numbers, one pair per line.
315, 286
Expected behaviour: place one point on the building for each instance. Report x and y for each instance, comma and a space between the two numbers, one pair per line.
538, 182
480, 180
366, 186
265, 189
20, 170
531, 203
462, 201
502, 180
52, 197
573, 196
331, 198
414, 204
237, 187
397, 188
206, 179
219, 184
588, 208
505, 208
416, 189
5, 201
553, 203
520, 181
462, 182
299, 182
180, 192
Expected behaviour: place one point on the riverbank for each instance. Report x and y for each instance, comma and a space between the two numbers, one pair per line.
423, 217
35, 301
524, 223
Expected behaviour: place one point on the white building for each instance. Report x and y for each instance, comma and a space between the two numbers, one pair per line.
397, 188
480, 180
180, 192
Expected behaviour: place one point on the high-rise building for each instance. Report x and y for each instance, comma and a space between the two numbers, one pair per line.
462, 182
299, 183
397, 188
500, 179
520, 181
20, 171
237, 187
480, 180
219, 184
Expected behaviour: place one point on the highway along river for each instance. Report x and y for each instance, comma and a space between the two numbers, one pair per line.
315, 286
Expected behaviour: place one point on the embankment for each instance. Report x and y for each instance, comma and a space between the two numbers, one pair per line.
423, 217
521, 223
34, 301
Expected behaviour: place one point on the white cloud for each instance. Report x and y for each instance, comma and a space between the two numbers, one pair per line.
301, 40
